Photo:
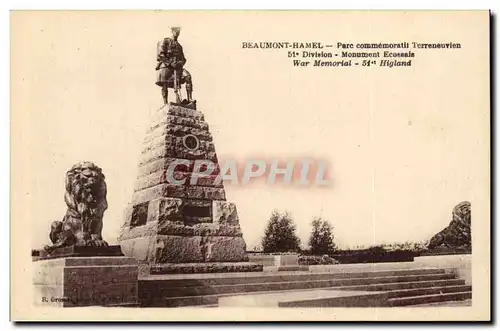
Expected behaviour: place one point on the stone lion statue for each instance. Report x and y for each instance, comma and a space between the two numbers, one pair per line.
458, 233
86, 200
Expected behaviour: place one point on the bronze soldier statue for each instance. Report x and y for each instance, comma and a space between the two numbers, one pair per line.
171, 72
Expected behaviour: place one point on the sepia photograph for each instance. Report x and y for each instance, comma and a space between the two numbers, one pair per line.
277, 165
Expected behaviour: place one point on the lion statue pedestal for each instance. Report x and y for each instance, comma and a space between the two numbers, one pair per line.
80, 268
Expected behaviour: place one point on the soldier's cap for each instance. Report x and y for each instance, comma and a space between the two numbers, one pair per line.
175, 29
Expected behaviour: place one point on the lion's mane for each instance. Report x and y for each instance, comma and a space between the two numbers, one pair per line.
86, 200
86, 191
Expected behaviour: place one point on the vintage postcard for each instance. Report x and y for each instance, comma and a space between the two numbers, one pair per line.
250, 165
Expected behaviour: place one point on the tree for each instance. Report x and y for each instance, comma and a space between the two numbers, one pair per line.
280, 234
321, 239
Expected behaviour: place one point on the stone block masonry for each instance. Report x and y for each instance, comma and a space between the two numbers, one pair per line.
167, 222
85, 281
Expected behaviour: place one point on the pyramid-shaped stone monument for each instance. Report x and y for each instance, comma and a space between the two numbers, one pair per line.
173, 222
179, 212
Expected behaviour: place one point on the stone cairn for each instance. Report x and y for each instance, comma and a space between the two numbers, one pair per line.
180, 223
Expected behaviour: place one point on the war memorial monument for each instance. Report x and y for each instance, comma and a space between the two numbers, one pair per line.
181, 243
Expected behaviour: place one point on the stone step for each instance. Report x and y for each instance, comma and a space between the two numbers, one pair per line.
297, 284
328, 297
463, 303
322, 298
406, 285
424, 299
335, 298
291, 268
307, 299
153, 295
428, 291
167, 281
212, 299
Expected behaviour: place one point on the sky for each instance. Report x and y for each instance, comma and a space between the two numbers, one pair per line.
404, 145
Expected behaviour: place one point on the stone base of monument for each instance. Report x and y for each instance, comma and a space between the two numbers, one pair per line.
184, 103
176, 215
79, 280
164, 236
183, 249
279, 262
74, 251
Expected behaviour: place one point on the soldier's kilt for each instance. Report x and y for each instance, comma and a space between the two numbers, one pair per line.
166, 75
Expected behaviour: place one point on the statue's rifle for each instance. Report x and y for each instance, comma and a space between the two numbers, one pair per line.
176, 86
